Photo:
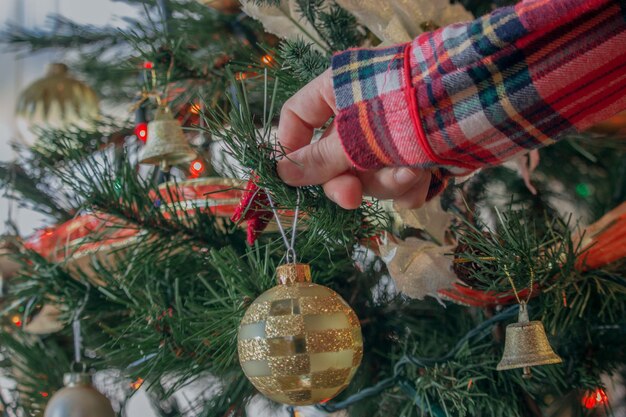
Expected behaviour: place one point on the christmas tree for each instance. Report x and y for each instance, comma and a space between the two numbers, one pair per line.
168, 229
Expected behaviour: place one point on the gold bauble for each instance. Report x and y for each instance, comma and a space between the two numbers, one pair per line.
299, 343
56, 101
78, 399
526, 345
166, 145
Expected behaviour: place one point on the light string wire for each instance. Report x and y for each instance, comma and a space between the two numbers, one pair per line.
291, 256
400, 380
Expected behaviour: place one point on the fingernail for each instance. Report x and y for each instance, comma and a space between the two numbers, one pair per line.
405, 176
289, 171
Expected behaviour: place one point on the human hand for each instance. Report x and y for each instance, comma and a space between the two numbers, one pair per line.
325, 162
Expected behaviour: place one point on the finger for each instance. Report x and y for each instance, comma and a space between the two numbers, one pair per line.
416, 196
345, 190
309, 108
315, 163
390, 182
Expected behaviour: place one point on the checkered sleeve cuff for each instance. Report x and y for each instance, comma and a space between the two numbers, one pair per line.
373, 117
478, 93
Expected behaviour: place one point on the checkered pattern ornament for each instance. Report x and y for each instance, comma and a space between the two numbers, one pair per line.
299, 343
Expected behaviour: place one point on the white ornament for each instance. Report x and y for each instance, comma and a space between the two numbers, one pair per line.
418, 267
78, 399
392, 21
284, 21
396, 21
431, 218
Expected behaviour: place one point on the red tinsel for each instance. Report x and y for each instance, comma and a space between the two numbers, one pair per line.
253, 208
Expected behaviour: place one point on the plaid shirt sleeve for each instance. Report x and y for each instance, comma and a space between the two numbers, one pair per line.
476, 94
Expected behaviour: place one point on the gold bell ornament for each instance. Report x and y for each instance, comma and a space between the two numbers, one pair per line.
526, 343
166, 145
78, 398
299, 343
56, 101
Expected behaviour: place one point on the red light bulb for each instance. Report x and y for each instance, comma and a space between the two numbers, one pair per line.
148, 65
593, 399
141, 131
196, 168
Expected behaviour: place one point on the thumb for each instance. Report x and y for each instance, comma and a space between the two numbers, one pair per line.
315, 163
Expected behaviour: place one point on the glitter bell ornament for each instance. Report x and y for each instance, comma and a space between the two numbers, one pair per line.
56, 101
299, 343
526, 345
78, 398
166, 145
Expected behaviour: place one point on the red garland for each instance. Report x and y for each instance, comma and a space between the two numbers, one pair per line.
253, 209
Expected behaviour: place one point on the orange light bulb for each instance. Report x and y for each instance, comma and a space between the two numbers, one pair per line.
136, 384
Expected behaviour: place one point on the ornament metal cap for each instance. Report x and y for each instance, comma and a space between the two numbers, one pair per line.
526, 345
288, 274
74, 379
167, 145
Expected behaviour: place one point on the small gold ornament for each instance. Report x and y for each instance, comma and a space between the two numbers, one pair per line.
78, 398
56, 101
526, 345
299, 343
166, 145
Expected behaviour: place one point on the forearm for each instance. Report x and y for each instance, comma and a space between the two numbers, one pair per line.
478, 93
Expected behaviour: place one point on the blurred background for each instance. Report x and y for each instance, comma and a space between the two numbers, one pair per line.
21, 69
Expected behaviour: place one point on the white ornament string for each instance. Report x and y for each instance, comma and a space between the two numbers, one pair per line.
290, 245
76, 331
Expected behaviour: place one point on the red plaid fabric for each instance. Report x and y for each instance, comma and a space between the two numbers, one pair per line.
476, 94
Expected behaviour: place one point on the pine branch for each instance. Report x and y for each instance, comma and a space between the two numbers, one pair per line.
300, 58
29, 192
256, 150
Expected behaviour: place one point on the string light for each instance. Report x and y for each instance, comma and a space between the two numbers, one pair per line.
141, 131
267, 59
44, 394
583, 190
148, 65
195, 108
196, 168
17, 320
136, 384
595, 398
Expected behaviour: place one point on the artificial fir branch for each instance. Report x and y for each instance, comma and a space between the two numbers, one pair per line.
300, 57
257, 150
169, 303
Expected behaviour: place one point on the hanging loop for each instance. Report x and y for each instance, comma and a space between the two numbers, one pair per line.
76, 331
291, 256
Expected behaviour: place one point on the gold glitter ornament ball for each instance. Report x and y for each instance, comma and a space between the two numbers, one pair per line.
299, 343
